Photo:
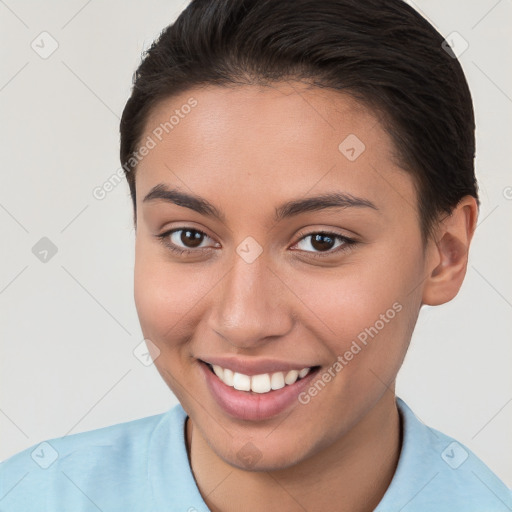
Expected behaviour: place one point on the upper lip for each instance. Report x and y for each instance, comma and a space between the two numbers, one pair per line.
254, 366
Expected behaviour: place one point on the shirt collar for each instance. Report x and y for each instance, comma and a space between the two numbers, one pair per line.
408, 480
172, 481
170, 476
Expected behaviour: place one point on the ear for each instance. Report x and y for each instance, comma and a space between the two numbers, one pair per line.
447, 255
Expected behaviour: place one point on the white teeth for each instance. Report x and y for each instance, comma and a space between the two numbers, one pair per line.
241, 382
303, 372
277, 380
291, 377
228, 377
262, 383
218, 371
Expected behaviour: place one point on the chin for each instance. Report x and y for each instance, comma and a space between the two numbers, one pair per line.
249, 458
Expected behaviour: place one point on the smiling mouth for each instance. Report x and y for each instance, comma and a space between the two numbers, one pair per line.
262, 383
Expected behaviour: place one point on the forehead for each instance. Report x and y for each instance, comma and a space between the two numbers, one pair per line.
283, 141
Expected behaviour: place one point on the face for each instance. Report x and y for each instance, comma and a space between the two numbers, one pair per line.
271, 280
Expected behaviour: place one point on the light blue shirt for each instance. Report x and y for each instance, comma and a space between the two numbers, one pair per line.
142, 465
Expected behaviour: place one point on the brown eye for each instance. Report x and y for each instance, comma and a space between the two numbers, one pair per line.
324, 244
184, 240
191, 237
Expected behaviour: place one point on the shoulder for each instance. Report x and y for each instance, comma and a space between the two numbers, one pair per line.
436, 472
83, 467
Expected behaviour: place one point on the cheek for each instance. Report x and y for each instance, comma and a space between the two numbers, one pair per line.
160, 296
354, 298
169, 296
367, 311
367, 325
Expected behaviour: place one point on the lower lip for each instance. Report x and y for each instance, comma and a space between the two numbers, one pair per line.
252, 406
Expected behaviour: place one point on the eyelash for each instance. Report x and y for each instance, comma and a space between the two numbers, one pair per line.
347, 242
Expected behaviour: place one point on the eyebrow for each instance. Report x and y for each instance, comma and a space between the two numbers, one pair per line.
286, 210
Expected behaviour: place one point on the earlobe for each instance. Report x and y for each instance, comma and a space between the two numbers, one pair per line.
449, 259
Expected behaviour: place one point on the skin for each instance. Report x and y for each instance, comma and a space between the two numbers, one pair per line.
247, 150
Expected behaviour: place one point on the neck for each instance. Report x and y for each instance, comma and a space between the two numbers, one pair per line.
354, 472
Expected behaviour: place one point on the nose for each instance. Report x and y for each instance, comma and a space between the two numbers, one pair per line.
250, 306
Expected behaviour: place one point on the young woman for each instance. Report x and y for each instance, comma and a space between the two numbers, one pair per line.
302, 181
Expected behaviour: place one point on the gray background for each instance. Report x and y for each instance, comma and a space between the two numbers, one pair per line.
68, 326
